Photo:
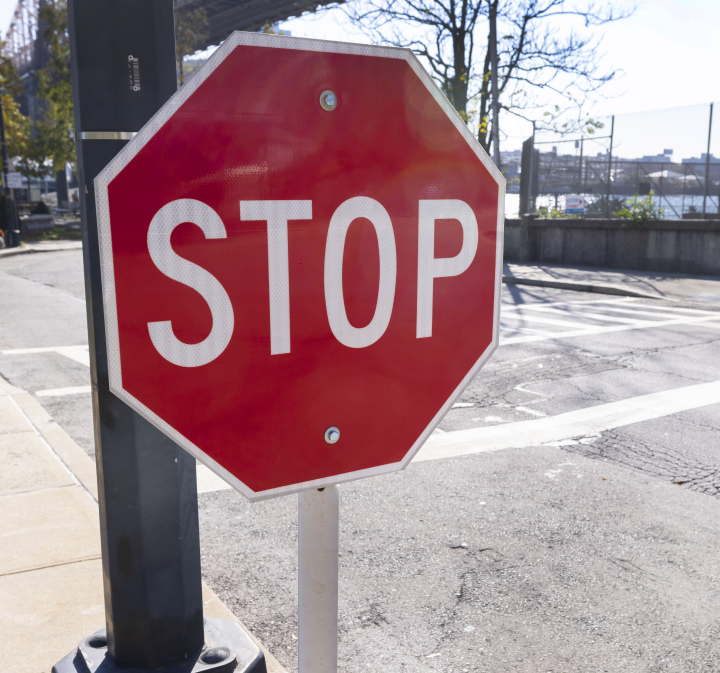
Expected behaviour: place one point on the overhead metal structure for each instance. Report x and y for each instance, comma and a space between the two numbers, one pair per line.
225, 16
22, 35
24, 43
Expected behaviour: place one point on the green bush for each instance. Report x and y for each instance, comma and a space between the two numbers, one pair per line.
640, 209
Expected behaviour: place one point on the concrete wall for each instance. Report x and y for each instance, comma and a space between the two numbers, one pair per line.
681, 246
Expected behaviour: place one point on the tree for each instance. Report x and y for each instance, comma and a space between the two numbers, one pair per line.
51, 139
539, 52
17, 125
191, 30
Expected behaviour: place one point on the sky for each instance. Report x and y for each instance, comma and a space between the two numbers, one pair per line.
667, 54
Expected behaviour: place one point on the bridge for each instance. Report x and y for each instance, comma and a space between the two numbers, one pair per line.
25, 46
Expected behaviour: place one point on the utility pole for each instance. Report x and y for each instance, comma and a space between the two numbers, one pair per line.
494, 82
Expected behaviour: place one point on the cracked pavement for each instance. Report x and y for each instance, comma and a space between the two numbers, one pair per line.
596, 553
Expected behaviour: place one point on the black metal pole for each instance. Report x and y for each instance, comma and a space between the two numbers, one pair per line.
146, 483
13, 233
609, 176
147, 490
707, 163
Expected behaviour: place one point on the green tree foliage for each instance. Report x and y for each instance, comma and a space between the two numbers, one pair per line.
598, 207
191, 30
51, 139
17, 125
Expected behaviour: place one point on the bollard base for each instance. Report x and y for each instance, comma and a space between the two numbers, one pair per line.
228, 647
12, 237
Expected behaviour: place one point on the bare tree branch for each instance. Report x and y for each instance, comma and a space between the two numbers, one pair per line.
539, 52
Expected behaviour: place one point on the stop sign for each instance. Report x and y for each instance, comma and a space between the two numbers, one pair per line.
301, 262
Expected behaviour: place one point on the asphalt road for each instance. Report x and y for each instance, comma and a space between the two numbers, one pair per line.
581, 532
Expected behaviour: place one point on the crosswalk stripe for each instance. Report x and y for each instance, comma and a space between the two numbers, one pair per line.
578, 314
652, 314
591, 330
547, 321
666, 307
581, 423
528, 330
584, 302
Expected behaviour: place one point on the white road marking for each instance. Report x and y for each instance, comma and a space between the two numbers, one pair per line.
583, 314
532, 412
591, 330
532, 392
636, 311
527, 330
62, 392
581, 303
668, 307
547, 321
580, 423
79, 354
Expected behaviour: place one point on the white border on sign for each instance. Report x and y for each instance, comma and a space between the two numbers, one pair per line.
106, 257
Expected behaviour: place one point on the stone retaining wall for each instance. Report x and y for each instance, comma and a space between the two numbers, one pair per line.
680, 246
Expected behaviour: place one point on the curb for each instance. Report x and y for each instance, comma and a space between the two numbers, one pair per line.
82, 467
12, 252
582, 287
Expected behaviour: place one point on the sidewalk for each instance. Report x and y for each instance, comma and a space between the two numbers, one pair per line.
648, 284
51, 592
41, 246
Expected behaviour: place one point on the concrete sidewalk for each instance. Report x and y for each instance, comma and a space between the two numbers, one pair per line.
649, 284
41, 246
51, 592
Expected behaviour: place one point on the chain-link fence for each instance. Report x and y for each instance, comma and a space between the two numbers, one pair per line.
666, 161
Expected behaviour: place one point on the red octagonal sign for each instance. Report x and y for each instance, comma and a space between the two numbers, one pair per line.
301, 262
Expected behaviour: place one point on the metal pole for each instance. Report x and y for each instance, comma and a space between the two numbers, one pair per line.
318, 534
147, 488
580, 180
13, 234
533, 169
494, 81
707, 162
609, 184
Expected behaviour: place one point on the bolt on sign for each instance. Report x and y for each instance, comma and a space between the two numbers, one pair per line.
301, 262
